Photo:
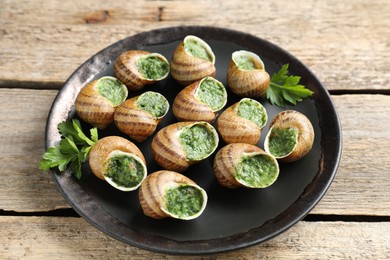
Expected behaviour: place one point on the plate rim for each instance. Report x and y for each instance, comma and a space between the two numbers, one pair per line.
289, 217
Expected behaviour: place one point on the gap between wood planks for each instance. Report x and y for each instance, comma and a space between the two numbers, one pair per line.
309, 218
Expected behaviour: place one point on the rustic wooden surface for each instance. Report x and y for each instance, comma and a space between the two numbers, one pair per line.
345, 43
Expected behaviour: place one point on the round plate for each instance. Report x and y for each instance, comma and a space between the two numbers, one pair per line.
233, 219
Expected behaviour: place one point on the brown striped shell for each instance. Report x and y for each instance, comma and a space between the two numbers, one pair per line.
152, 194
127, 71
168, 151
186, 68
296, 120
227, 159
236, 129
108, 146
93, 108
247, 83
188, 107
135, 122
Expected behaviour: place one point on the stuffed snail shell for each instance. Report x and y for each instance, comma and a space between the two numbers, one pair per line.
290, 137
136, 68
139, 116
119, 162
200, 101
192, 60
170, 194
246, 74
245, 165
96, 102
242, 122
178, 146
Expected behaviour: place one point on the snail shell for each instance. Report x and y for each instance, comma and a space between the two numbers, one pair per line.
134, 118
235, 160
153, 191
94, 106
234, 128
294, 121
111, 146
188, 104
246, 74
170, 152
187, 68
130, 70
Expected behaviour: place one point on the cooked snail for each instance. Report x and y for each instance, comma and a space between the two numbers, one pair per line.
192, 60
246, 74
119, 162
200, 101
139, 116
242, 122
170, 194
245, 165
96, 102
178, 146
138, 68
290, 137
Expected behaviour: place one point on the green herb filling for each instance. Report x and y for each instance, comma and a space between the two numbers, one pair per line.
197, 49
253, 111
212, 93
282, 141
112, 89
257, 171
154, 103
184, 201
124, 170
244, 62
152, 67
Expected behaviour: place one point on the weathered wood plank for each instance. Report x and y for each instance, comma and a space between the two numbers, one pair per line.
362, 178
68, 238
46, 42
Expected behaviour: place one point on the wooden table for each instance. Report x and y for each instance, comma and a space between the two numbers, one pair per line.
345, 43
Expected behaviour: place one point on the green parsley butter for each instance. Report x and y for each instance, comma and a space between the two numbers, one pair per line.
197, 48
112, 89
154, 103
252, 110
257, 171
124, 170
198, 142
245, 63
152, 67
212, 93
184, 201
282, 141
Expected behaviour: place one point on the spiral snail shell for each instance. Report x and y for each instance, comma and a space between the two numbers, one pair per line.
192, 60
242, 122
136, 68
245, 165
139, 116
96, 102
170, 194
200, 101
290, 137
178, 146
119, 162
246, 74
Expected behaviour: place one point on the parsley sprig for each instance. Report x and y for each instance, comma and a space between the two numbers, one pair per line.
284, 87
73, 148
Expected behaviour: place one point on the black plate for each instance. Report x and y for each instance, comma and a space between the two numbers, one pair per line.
233, 218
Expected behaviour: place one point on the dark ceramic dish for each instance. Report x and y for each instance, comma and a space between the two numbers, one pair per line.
233, 219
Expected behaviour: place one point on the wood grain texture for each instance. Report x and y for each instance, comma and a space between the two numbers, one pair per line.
345, 43
70, 238
362, 177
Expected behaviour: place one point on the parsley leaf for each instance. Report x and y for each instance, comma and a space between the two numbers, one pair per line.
73, 148
286, 88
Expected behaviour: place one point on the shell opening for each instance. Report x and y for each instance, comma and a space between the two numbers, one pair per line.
258, 170
281, 142
252, 110
112, 89
198, 140
154, 103
185, 201
124, 171
196, 47
153, 66
212, 93
246, 60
